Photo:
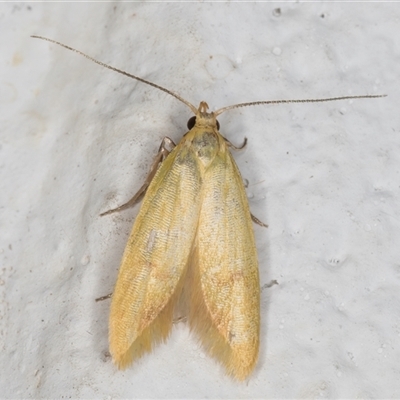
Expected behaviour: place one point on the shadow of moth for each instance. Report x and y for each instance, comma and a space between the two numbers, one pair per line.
191, 248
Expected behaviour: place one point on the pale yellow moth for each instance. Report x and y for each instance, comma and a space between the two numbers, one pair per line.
191, 249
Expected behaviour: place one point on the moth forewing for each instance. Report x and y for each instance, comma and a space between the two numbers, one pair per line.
155, 259
224, 291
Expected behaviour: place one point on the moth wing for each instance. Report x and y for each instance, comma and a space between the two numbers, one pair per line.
155, 259
225, 289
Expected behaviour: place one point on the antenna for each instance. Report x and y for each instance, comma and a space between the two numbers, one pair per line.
191, 106
257, 103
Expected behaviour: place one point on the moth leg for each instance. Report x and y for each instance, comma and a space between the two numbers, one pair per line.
104, 297
270, 284
235, 147
258, 222
163, 152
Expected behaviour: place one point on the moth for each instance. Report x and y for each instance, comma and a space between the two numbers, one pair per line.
192, 248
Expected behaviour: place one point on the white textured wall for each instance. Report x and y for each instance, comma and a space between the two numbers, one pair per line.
77, 139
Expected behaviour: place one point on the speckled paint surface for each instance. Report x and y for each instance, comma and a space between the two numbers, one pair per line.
77, 140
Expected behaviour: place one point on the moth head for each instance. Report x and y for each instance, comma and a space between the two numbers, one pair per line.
203, 118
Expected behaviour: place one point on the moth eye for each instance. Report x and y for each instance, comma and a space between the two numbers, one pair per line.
191, 122
217, 125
